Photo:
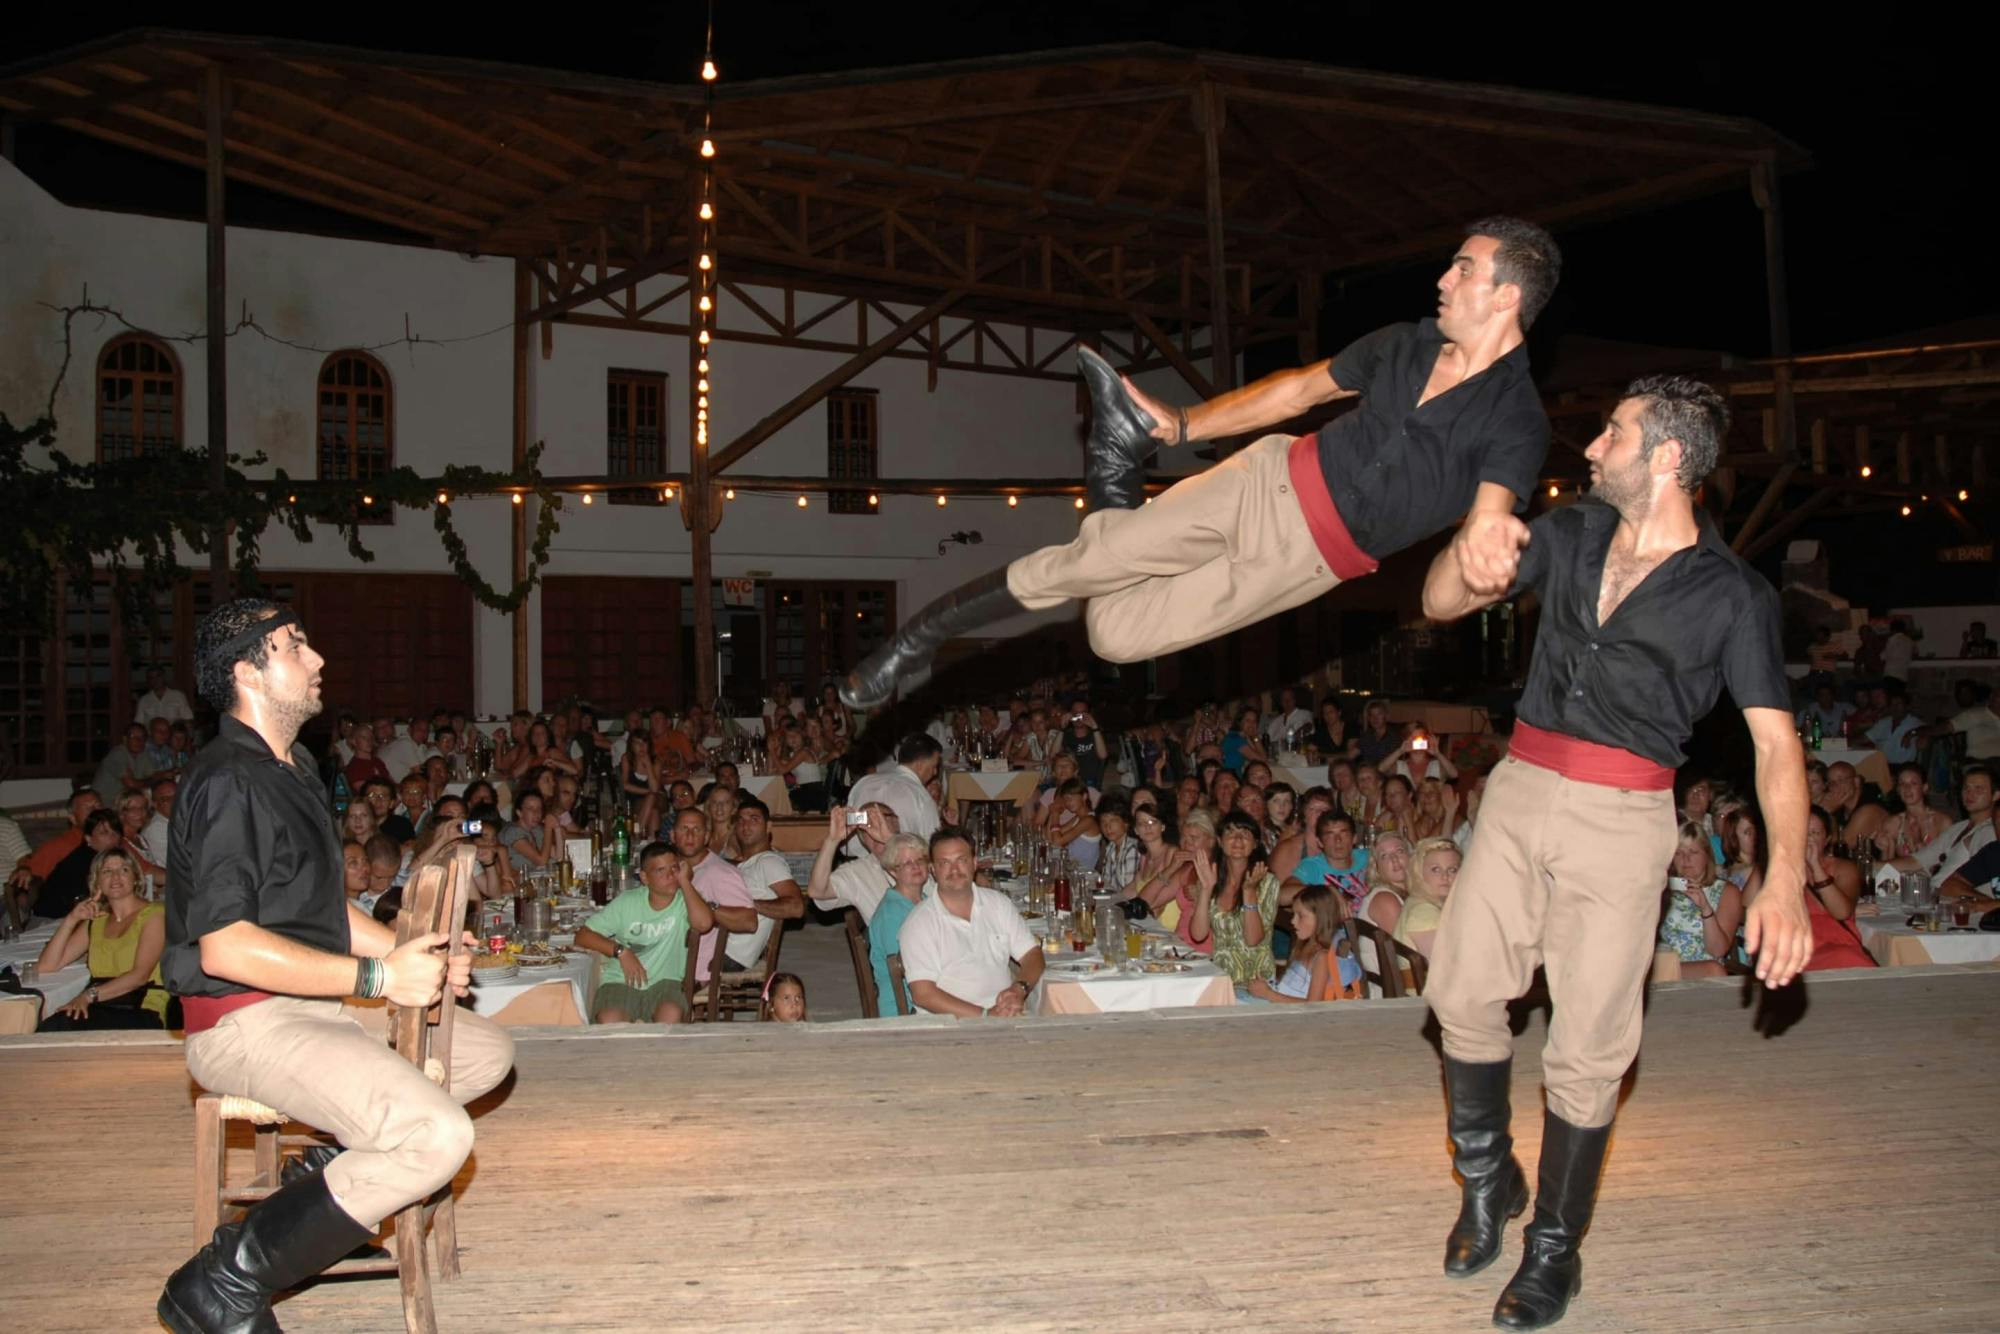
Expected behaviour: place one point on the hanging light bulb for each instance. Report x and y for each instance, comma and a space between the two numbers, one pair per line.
702, 402
701, 435
730, 494
1553, 490
667, 494
701, 414
702, 365
1867, 471
708, 148
707, 211
703, 339
1079, 502
874, 499
802, 502
586, 497
1963, 494
704, 304
293, 500
940, 502
1013, 502
444, 497
368, 500
704, 263
1906, 511
708, 71
517, 497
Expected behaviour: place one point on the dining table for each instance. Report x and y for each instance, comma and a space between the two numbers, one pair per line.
22, 1014
1009, 785
1890, 939
1087, 982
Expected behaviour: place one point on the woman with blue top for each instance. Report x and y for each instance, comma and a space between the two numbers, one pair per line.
1244, 743
907, 859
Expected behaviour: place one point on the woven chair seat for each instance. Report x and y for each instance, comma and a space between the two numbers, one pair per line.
234, 1108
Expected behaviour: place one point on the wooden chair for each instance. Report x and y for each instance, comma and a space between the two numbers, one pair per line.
741, 991
902, 987
696, 1008
1386, 977
864, 975
435, 900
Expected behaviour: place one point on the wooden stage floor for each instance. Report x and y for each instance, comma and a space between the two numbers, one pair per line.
1255, 1169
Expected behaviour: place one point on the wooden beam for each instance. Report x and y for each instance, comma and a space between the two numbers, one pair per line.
215, 99
784, 415
659, 141
1782, 529
1209, 111
658, 262
1774, 490
1846, 384
518, 527
807, 130
1764, 188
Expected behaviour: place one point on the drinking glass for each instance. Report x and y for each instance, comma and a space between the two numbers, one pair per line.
1961, 913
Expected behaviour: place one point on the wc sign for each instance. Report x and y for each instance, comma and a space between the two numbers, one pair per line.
739, 592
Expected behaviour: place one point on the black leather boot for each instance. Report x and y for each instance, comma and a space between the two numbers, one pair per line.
967, 607
227, 1287
1495, 1189
314, 1160
1120, 438
1551, 1269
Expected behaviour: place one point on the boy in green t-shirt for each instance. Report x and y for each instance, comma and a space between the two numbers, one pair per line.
643, 935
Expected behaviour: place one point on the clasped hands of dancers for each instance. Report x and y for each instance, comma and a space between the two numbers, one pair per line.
1646, 614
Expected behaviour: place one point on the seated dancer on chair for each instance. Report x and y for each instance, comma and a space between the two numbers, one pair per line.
1448, 422
1646, 615
262, 945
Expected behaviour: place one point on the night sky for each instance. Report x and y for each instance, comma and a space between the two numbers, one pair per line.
1881, 233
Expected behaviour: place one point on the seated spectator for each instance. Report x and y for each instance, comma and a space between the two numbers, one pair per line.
1330, 735
1032, 743
1976, 643
1303, 840
1161, 862
639, 779
154, 835
1960, 841
1869, 706
1367, 800
14, 849
163, 701
1389, 866
1833, 884
1743, 845
719, 803
1257, 774
405, 751
1250, 801
1322, 966
1071, 826
494, 877
1290, 724
1976, 878
715, 881
354, 876
1475, 794
1894, 732
135, 809
1281, 808
1911, 830
181, 739
643, 936
956, 945
1235, 902
1338, 865
1243, 742
1197, 843
1437, 809
69, 883
1856, 807
1823, 655
533, 836
1694, 799
124, 936
125, 768
26, 879
547, 751
568, 788
1975, 720
1062, 769
785, 999
1829, 711
1377, 740
1188, 796
860, 882
1222, 793
907, 859
1433, 872
774, 890
161, 758
359, 823
1703, 909
1399, 807
400, 823
1119, 852
365, 765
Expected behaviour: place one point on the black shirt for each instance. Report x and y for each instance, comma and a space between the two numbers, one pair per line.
1084, 748
1398, 472
68, 883
251, 840
1698, 621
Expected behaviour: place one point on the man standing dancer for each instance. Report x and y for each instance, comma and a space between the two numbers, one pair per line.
261, 947
1448, 420
1646, 614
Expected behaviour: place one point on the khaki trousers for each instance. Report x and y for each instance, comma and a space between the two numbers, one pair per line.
333, 1069
1213, 553
1567, 875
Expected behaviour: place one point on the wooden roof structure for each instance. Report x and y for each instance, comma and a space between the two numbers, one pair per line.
1171, 207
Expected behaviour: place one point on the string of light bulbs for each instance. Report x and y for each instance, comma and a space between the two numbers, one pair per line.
702, 288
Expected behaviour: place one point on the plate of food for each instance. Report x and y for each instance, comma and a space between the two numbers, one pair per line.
540, 956
494, 967
1166, 966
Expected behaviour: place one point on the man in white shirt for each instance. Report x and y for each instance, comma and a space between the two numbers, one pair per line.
154, 835
774, 891
1286, 719
1891, 733
161, 701
956, 945
407, 750
1828, 709
1898, 650
861, 882
901, 785
1955, 846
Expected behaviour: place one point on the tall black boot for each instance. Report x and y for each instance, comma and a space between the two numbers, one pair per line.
1121, 438
1551, 1269
967, 607
1495, 1189
291, 1235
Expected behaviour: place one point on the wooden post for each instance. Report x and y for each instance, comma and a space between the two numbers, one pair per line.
1764, 189
523, 294
215, 95
1817, 433
699, 499
1208, 113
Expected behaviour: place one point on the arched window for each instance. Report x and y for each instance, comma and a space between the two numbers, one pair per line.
138, 398
356, 434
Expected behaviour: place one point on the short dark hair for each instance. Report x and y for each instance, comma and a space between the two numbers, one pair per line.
1680, 407
746, 802
1335, 816
657, 848
1983, 771
98, 819
1072, 787
383, 848
218, 647
950, 833
917, 746
371, 784
488, 816
1528, 257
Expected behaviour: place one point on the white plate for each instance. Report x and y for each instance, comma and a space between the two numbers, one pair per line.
479, 975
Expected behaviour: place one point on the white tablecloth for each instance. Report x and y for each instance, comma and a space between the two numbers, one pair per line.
58, 988
1891, 942
1202, 984
1007, 785
489, 998
1300, 778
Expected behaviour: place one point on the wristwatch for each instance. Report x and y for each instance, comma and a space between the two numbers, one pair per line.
90, 994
